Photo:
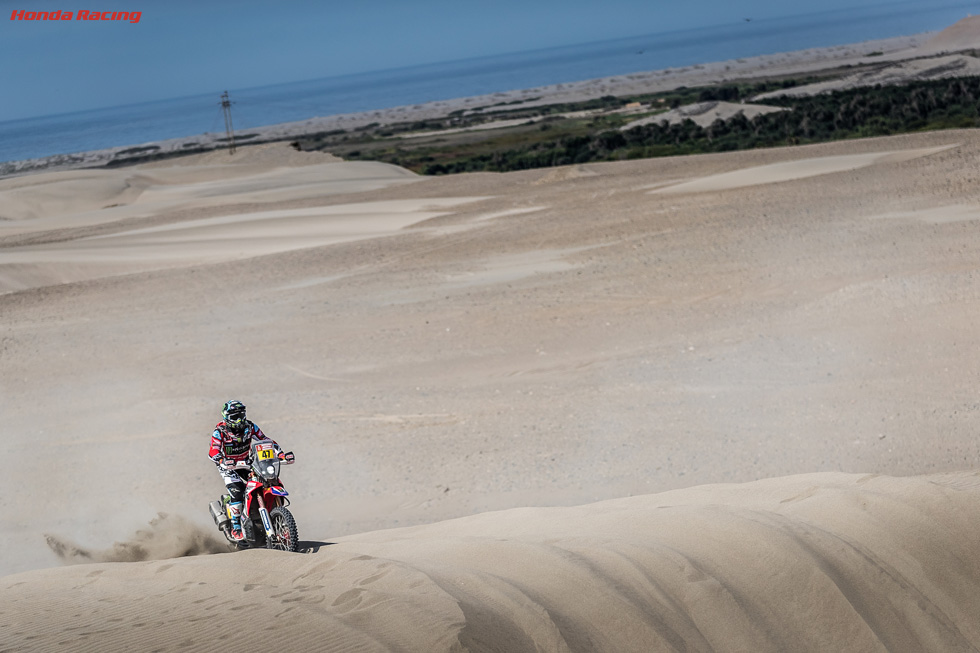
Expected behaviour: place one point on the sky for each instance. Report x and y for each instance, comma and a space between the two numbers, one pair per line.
186, 47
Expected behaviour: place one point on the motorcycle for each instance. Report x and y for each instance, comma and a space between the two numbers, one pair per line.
266, 521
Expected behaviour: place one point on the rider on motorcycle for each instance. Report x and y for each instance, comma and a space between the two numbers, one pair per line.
231, 443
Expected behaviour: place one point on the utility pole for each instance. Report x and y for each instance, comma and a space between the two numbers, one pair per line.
226, 109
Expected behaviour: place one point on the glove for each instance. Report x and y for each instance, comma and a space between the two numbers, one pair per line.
287, 457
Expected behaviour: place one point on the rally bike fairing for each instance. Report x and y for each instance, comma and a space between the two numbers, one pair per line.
265, 476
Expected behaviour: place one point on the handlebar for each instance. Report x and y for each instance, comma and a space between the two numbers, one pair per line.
231, 464
287, 458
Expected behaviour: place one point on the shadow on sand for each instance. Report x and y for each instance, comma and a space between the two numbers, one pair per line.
309, 546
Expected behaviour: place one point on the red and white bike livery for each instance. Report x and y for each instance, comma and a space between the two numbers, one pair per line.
265, 519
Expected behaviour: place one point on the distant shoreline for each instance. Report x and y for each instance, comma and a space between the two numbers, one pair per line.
765, 66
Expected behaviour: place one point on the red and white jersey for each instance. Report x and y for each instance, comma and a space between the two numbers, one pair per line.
227, 446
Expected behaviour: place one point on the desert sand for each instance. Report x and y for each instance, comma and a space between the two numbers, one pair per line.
704, 113
821, 562
723, 402
494, 349
901, 72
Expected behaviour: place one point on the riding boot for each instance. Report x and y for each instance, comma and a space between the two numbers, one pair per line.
235, 511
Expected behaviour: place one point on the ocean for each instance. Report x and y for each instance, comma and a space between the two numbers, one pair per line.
187, 116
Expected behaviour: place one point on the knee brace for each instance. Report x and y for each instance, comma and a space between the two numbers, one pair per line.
237, 492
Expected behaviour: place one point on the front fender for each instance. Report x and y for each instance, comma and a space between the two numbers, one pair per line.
250, 489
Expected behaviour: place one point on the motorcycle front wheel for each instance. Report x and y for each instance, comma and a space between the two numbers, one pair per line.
285, 536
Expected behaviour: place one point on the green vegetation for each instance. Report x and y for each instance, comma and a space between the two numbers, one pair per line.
565, 134
140, 149
238, 137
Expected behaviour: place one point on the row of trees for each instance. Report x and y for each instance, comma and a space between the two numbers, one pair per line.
855, 113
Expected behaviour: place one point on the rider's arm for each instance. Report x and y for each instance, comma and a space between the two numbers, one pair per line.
215, 452
257, 434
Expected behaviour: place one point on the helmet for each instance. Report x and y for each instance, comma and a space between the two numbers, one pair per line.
234, 414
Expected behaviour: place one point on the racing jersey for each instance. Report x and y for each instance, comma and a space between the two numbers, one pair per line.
227, 446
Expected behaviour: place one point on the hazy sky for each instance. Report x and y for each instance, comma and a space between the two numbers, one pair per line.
181, 47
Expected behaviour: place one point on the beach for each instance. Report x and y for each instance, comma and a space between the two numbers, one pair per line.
713, 402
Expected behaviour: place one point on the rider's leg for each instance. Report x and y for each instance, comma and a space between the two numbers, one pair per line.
236, 490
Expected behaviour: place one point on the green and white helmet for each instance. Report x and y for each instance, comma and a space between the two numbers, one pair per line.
234, 414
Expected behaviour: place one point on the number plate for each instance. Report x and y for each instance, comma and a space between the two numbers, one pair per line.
265, 452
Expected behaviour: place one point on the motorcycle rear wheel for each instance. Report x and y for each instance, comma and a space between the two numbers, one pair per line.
285, 536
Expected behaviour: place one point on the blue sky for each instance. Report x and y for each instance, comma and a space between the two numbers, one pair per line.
181, 47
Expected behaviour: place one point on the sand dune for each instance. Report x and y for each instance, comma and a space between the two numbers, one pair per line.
62, 200
916, 64
902, 72
705, 113
85, 218
79, 191
210, 240
963, 35
819, 562
788, 171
